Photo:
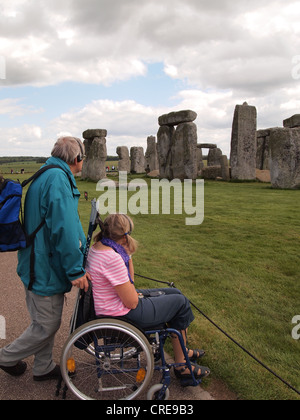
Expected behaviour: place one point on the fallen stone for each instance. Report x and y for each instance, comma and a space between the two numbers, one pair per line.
211, 172
154, 174
263, 175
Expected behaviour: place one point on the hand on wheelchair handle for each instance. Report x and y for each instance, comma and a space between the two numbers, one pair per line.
81, 283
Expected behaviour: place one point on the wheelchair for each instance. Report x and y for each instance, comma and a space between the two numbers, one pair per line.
111, 359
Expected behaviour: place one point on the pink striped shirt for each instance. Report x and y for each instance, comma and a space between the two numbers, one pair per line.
107, 270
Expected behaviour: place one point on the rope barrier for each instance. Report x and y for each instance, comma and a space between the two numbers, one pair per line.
228, 336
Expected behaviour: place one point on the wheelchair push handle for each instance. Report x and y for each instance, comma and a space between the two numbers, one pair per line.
92, 227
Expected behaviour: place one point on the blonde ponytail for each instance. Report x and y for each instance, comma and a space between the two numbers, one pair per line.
115, 227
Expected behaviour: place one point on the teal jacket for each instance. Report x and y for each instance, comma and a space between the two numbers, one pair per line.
60, 244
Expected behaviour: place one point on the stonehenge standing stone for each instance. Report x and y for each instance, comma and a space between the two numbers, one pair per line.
285, 158
96, 155
225, 168
98, 158
137, 160
200, 163
184, 152
164, 148
124, 162
243, 143
177, 150
151, 154
263, 150
214, 157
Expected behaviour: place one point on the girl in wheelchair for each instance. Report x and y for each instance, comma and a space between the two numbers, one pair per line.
112, 273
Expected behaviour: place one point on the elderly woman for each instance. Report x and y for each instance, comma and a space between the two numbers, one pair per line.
111, 270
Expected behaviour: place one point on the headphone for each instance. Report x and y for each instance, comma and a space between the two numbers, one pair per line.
81, 156
130, 224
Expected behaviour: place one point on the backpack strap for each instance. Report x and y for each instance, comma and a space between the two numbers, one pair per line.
31, 238
31, 241
34, 177
41, 171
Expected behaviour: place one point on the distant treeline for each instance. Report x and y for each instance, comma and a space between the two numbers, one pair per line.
16, 159
112, 158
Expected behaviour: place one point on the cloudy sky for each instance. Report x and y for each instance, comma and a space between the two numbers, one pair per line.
70, 65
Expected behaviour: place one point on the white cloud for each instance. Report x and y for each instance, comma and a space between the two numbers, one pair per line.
226, 52
171, 71
216, 44
128, 123
13, 107
26, 140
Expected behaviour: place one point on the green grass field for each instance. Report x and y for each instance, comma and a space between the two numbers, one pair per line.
241, 268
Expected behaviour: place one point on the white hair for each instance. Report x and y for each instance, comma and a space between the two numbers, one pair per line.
68, 148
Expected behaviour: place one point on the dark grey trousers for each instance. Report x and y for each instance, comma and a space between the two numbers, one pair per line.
38, 339
171, 308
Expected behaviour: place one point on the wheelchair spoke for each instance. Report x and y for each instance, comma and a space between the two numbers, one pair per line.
111, 360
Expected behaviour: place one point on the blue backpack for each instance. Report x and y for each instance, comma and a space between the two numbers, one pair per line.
12, 233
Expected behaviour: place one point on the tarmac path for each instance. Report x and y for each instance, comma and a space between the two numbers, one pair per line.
13, 309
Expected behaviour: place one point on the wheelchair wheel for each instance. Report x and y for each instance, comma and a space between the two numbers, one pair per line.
154, 392
107, 359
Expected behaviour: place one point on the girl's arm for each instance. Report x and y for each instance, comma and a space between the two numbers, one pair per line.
128, 295
131, 269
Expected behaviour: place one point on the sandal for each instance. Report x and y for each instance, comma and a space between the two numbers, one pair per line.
200, 372
197, 354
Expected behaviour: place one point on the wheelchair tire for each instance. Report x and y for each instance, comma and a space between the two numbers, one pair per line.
107, 359
153, 393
